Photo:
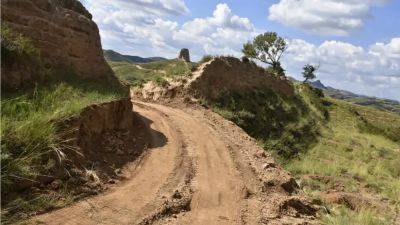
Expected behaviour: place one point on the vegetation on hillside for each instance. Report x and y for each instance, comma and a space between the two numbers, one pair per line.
114, 56
354, 158
286, 125
379, 103
267, 48
19, 53
159, 71
30, 132
328, 145
30, 136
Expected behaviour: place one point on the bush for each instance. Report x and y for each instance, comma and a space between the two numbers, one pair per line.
15, 47
205, 59
160, 81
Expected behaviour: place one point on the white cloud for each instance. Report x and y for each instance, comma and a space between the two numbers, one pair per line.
373, 71
151, 32
323, 17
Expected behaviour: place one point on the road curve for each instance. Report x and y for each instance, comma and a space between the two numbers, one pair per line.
208, 171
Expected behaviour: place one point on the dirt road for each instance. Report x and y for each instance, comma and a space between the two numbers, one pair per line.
202, 170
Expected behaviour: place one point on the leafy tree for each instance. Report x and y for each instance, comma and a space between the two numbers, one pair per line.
268, 48
309, 72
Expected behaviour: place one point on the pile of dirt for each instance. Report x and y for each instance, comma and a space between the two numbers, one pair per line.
63, 32
216, 77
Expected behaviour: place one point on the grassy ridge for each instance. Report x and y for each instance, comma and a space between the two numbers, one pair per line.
363, 160
354, 146
138, 74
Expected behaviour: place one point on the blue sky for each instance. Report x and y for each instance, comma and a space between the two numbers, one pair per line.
356, 42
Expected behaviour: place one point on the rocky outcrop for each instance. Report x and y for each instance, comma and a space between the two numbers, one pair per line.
64, 33
184, 55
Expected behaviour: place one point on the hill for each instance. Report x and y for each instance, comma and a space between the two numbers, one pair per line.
379, 103
343, 155
114, 56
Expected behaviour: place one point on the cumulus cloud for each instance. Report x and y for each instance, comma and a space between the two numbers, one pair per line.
150, 31
323, 17
372, 71
128, 27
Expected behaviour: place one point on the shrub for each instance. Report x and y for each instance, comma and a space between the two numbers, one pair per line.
15, 46
160, 81
205, 59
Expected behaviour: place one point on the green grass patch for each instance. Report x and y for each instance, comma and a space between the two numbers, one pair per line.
286, 125
29, 130
358, 158
344, 216
158, 71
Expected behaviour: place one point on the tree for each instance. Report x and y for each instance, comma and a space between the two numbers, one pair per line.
268, 48
309, 72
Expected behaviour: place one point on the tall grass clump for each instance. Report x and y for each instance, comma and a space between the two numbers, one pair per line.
344, 216
206, 58
30, 142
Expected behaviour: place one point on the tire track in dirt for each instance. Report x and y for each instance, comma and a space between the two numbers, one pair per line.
130, 201
217, 187
206, 171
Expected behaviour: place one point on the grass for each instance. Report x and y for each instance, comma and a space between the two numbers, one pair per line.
316, 137
158, 71
344, 216
18, 52
285, 125
28, 124
30, 142
363, 160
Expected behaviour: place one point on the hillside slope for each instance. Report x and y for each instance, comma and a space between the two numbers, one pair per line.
379, 103
114, 56
343, 155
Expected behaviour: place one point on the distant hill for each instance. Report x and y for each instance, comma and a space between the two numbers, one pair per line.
114, 56
380, 103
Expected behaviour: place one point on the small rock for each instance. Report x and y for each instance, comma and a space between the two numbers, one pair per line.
177, 195
117, 171
111, 181
269, 165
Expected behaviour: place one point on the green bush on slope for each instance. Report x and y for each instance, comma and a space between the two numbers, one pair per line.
285, 125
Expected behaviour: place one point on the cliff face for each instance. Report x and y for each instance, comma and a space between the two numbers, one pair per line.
64, 33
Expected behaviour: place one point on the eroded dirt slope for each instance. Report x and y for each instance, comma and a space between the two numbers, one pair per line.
200, 169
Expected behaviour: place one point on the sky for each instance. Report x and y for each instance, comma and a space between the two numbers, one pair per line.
356, 43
